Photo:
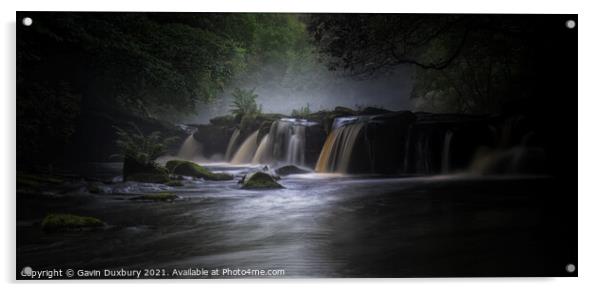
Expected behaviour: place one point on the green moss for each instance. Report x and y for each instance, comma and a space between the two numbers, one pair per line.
260, 180
174, 183
64, 222
162, 196
187, 168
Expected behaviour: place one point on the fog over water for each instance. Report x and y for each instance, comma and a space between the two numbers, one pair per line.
281, 93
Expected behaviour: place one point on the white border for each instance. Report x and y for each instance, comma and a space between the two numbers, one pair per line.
590, 109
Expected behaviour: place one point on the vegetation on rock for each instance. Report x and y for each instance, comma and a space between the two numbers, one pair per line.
67, 222
260, 180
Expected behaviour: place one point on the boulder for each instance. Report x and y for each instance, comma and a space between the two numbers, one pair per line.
187, 168
260, 180
291, 169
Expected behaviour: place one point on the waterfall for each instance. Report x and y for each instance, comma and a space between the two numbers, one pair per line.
264, 151
337, 151
284, 143
247, 150
295, 151
230, 149
191, 149
445, 156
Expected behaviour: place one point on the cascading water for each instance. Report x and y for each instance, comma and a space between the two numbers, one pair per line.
191, 149
446, 155
246, 151
284, 143
231, 143
338, 148
295, 152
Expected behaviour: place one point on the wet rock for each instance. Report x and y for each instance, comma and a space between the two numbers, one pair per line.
291, 169
187, 168
148, 173
260, 180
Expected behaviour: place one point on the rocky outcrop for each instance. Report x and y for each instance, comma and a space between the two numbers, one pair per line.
187, 168
260, 180
150, 172
290, 169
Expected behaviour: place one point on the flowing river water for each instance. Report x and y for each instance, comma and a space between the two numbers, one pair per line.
317, 226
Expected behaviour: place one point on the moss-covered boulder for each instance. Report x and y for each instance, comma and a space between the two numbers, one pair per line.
69, 222
260, 180
187, 168
158, 197
144, 172
290, 169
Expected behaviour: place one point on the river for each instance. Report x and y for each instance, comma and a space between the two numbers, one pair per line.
317, 226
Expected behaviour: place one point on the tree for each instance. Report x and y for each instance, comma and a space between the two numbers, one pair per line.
463, 63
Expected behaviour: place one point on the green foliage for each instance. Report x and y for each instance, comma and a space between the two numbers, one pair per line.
302, 113
463, 63
244, 103
64, 222
143, 149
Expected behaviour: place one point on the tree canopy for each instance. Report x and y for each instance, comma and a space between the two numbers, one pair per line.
463, 63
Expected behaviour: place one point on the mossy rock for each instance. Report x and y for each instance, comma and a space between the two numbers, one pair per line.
187, 168
260, 180
159, 197
69, 222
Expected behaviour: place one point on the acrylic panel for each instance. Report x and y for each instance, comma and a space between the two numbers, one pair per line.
281, 145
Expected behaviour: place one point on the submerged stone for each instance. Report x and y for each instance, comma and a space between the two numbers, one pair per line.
187, 168
260, 180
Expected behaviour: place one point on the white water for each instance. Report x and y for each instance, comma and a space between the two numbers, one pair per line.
295, 152
247, 150
230, 149
284, 143
191, 149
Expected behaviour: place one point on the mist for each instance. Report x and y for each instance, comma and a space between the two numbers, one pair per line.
280, 90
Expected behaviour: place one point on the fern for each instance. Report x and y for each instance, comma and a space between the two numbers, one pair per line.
133, 144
